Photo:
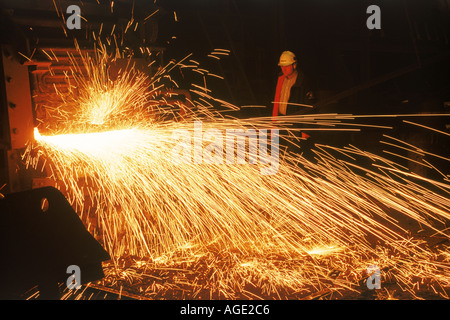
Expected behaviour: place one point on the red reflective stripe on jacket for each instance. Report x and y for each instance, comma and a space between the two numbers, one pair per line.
277, 96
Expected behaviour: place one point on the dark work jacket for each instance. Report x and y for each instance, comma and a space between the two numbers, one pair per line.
301, 92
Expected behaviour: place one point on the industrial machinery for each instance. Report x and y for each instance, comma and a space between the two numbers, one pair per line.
41, 236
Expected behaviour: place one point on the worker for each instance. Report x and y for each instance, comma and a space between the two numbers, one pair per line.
293, 93
292, 90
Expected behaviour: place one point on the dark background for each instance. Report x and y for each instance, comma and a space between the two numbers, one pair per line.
367, 71
404, 68
406, 60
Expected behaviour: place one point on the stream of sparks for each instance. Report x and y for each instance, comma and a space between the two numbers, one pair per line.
312, 226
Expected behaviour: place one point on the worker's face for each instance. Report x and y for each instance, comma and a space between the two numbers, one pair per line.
288, 70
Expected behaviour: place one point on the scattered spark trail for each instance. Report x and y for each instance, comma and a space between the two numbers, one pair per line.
225, 230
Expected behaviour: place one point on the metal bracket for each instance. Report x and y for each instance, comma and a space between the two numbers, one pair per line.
40, 237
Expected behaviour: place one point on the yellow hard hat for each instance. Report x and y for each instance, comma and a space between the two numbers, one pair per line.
287, 58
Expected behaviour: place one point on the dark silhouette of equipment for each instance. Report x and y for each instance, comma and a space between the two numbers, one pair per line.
40, 237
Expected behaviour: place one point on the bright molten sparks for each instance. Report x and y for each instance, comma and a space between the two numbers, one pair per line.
229, 231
